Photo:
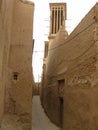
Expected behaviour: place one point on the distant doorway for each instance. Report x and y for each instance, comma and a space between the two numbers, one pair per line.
61, 110
61, 84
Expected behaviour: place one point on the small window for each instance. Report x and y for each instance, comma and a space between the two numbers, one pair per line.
15, 75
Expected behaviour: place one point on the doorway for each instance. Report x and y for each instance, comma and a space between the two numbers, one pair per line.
61, 110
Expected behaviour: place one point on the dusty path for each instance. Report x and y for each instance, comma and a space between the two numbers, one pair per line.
40, 120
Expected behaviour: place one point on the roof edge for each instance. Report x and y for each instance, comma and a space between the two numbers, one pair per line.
27, 2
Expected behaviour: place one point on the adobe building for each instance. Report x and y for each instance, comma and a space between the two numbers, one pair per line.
57, 23
16, 48
70, 81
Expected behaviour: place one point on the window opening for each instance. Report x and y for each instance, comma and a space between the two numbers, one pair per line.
15, 75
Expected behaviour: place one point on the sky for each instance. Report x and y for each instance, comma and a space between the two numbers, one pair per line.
76, 10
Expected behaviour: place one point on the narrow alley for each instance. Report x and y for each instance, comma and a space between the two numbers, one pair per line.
48, 66
40, 120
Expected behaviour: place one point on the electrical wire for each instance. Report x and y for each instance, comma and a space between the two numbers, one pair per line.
67, 41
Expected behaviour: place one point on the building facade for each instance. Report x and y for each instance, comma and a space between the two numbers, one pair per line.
57, 32
70, 81
16, 25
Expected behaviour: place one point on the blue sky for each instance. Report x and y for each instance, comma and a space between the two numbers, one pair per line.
76, 10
